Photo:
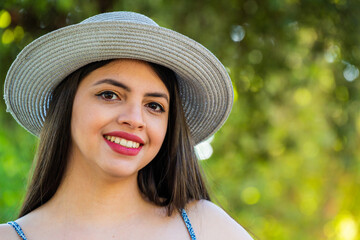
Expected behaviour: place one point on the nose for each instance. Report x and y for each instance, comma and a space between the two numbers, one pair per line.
132, 116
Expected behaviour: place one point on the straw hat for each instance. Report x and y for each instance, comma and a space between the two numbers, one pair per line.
205, 86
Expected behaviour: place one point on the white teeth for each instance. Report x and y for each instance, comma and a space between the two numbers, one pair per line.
123, 142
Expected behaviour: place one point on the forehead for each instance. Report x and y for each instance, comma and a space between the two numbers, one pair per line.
133, 73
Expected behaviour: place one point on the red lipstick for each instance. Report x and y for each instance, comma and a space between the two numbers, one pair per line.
121, 149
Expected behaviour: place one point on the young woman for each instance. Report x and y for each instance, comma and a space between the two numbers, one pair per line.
118, 104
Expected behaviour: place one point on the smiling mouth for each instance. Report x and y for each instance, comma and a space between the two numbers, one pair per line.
123, 142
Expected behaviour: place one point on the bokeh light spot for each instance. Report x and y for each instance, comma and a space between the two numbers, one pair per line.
250, 195
307, 36
302, 96
7, 36
5, 19
332, 53
237, 33
350, 72
347, 228
18, 33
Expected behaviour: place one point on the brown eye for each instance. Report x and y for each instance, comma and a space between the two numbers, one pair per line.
156, 107
108, 95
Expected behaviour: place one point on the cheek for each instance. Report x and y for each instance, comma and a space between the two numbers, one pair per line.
85, 123
158, 132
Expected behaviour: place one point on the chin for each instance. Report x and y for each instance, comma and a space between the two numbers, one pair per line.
121, 171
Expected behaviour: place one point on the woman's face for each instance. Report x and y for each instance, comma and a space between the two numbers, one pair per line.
119, 118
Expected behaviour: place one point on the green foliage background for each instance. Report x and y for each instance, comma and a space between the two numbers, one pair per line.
286, 164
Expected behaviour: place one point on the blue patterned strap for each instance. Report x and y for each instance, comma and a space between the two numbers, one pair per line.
18, 229
188, 224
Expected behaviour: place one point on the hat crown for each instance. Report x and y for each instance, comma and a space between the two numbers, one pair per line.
121, 16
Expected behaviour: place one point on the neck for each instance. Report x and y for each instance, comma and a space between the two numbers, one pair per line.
95, 198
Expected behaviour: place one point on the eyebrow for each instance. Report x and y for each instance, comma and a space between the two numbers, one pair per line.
126, 88
162, 95
113, 82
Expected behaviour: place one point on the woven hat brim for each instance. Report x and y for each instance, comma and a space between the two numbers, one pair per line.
205, 86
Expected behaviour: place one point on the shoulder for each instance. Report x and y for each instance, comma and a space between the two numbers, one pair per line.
7, 232
211, 222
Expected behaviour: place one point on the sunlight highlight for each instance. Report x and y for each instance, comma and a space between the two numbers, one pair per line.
347, 228
204, 150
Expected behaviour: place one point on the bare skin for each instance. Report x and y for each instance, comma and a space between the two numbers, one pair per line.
99, 197
209, 222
